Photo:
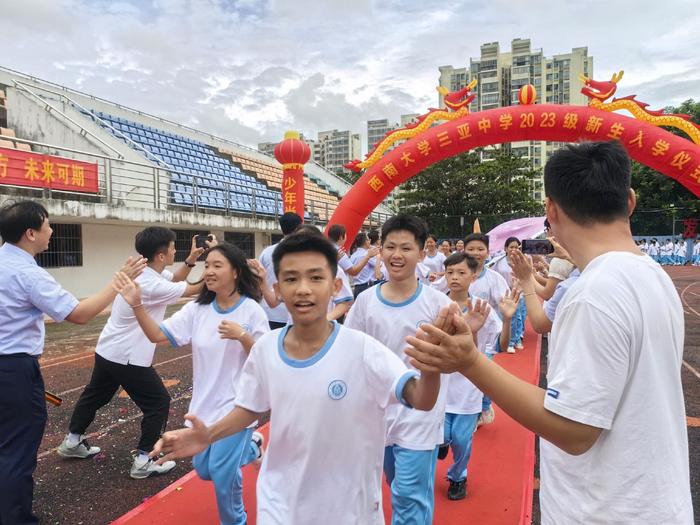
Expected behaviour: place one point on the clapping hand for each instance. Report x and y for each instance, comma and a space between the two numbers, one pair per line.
521, 265
257, 268
451, 353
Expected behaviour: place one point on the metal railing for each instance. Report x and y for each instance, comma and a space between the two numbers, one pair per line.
123, 183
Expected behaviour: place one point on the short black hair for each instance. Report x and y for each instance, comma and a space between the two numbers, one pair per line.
590, 181
409, 223
306, 242
457, 258
153, 240
248, 283
510, 240
336, 231
482, 237
433, 237
18, 217
373, 236
289, 222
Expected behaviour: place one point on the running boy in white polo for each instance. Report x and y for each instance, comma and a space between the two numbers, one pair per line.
389, 312
329, 389
123, 356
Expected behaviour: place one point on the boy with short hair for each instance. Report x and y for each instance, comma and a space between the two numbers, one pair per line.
124, 355
464, 400
338, 234
389, 312
329, 388
489, 285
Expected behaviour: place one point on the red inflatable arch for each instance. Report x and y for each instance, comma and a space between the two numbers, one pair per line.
646, 143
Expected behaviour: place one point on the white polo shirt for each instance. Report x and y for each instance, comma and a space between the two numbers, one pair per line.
122, 340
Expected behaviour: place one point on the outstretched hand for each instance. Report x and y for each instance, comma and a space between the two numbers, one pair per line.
509, 303
452, 352
134, 266
182, 443
129, 290
257, 268
476, 314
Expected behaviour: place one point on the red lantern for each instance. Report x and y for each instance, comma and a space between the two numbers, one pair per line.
527, 95
293, 153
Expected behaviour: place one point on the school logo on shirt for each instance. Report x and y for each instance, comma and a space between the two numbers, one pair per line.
245, 327
337, 389
423, 321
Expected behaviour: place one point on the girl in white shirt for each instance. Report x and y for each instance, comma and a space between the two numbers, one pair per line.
222, 325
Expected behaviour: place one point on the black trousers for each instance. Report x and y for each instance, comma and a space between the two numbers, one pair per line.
274, 325
359, 288
22, 422
145, 388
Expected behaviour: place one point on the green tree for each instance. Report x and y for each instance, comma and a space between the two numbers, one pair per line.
660, 198
463, 186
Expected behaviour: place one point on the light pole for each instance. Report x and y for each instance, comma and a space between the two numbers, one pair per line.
673, 220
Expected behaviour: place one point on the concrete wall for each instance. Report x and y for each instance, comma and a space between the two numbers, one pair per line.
106, 247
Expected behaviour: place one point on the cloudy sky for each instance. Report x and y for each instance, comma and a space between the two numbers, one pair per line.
250, 69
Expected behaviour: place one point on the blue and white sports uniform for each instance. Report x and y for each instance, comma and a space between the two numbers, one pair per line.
412, 435
324, 458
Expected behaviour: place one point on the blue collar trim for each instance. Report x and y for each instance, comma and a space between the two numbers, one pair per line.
404, 303
305, 363
220, 310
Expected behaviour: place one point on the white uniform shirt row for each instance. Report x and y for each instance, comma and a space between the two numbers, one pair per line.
122, 340
390, 323
367, 273
435, 263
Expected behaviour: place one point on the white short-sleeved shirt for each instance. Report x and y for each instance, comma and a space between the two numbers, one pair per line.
344, 262
279, 313
560, 268
489, 286
122, 340
550, 306
367, 273
390, 323
216, 362
423, 273
436, 263
615, 355
324, 460
27, 292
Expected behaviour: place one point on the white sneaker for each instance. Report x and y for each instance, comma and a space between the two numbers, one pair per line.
519, 346
510, 350
80, 450
259, 440
143, 468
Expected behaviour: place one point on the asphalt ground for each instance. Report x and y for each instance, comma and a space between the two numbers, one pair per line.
98, 490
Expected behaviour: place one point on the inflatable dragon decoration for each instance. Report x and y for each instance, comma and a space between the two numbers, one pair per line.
457, 106
457, 103
599, 92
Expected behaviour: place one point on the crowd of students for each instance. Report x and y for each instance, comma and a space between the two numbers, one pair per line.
378, 360
669, 253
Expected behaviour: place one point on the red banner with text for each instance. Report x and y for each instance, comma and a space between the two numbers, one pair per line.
24, 168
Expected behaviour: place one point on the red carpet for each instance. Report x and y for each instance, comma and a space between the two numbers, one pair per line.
500, 474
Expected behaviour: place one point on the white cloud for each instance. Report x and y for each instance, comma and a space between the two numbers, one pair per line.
250, 69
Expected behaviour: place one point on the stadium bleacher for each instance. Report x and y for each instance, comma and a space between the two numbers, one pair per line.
196, 171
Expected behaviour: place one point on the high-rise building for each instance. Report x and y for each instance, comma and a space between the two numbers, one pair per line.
337, 148
268, 148
377, 130
500, 76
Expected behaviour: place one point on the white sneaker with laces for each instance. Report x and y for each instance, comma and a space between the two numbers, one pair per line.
142, 468
519, 346
488, 416
80, 450
510, 350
